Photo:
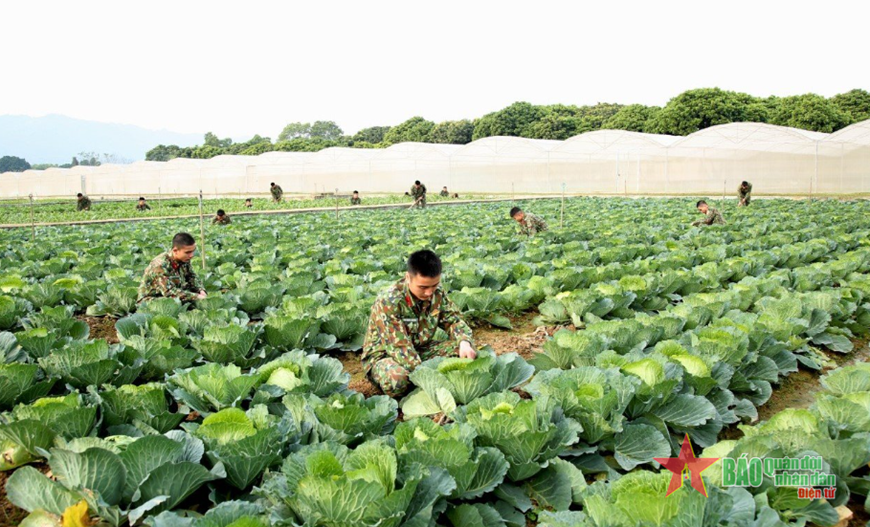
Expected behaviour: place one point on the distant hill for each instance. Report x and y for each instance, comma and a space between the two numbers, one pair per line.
57, 138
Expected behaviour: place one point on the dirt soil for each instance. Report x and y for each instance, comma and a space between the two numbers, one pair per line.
101, 328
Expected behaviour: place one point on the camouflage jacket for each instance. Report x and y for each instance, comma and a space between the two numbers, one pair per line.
713, 217
164, 277
531, 225
142, 207
400, 324
83, 203
418, 192
277, 192
742, 193
444, 194
356, 201
217, 220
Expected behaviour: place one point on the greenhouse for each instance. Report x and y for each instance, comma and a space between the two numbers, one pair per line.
778, 160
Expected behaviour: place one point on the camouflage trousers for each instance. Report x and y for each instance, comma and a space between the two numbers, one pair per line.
390, 374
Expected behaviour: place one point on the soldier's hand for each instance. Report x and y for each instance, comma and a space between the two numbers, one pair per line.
466, 351
201, 295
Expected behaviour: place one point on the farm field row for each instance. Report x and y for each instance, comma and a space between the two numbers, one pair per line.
237, 405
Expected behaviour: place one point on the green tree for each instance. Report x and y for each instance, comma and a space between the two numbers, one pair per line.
415, 129
88, 159
634, 118
326, 130
303, 144
213, 140
513, 120
452, 132
294, 131
695, 110
13, 164
163, 153
810, 112
42, 166
257, 149
372, 135
206, 152
856, 103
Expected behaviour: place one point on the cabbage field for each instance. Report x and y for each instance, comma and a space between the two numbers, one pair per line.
237, 412
17, 212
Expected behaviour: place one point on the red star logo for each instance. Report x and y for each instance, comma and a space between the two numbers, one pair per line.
686, 461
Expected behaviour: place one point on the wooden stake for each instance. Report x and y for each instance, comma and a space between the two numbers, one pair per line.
513, 197
336, 203
201, 231
724, 185
32, 221
562, 215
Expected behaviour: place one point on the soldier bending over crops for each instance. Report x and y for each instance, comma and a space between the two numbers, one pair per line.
404, 323
711, 216
82, 202
529, 223
277, 192
418, 192
170, 274
744, 193
221, 218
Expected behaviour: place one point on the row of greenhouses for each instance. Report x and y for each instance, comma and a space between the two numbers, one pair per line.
777, 160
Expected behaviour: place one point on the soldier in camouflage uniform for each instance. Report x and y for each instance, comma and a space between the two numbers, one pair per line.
408, 324
444, 193
711, 215
170, 274
277, 192
418, 192
222, 218
529, 224
142, 206
82, 202
355, 199
744, 193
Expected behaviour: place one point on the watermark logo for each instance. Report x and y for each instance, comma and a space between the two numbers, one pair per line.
805, 473
686, 462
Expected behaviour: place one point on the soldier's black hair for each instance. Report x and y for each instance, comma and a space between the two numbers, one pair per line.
424, 263
182, 239
356, 192
445, 186
79, 195
273, 183
700, 202
745, 183
221, 212
141, 198
515, 211
417, 182
247, 199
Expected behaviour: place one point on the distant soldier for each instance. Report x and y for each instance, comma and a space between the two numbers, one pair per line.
444, 193
744, 193
142, 206
221, 218
529, 224
248, 203
277, 192
418, 192
403, 325
712, 216
355, 199
82, 202
455, 195
170, 274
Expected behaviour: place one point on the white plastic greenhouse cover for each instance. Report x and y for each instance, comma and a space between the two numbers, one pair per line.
777, 160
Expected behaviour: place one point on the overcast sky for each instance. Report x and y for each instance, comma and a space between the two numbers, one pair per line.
239, 68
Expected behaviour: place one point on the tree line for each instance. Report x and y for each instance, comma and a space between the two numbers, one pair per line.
686, 113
